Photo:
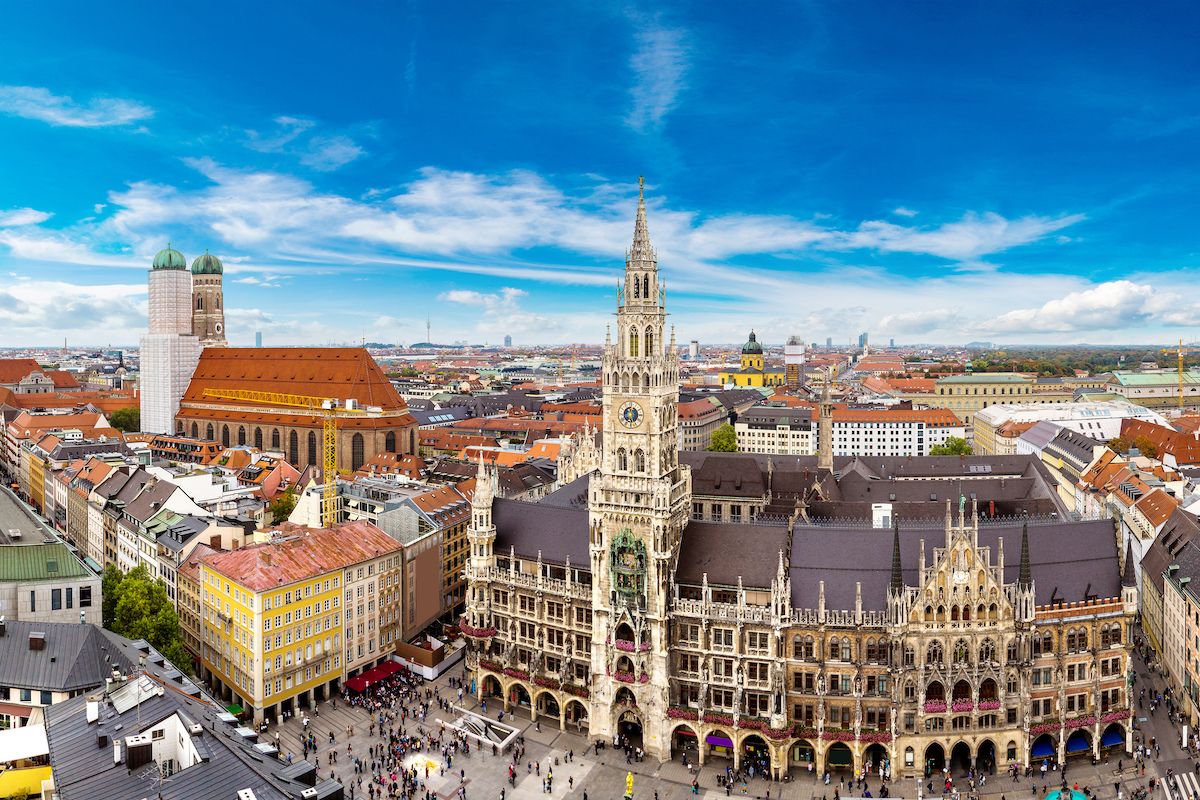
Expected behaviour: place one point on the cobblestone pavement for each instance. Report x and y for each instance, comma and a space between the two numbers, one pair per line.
602, 775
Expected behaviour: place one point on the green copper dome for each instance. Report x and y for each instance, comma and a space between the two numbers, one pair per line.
207, 264
749, 347
170, 259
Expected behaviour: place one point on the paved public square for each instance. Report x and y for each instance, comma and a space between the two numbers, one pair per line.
602, 776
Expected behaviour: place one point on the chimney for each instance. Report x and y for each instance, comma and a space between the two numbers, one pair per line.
37, 640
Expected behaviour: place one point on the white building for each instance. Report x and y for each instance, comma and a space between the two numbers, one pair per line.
771, 429
169, 351
793, 361
1100, 421
893, 432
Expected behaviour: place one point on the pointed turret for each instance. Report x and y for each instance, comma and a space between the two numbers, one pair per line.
641, 249
1129, 577
1025, 579
897, 584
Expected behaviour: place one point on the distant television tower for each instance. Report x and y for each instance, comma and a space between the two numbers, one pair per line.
428, 328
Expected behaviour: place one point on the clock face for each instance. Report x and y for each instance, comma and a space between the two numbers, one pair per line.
218, 327
630, 414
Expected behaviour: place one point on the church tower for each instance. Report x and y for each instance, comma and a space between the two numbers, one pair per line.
169, 351
208, 304
638, 506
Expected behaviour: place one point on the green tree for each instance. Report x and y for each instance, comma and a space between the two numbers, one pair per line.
283, 506
128, 420
1145, 446
954, 446
136, 605
724, 439
1120, 444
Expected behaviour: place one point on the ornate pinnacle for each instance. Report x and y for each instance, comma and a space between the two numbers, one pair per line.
641, 249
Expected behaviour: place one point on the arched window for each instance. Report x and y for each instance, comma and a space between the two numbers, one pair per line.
1114, 633
646, 381
389, 442
637, 288
934, 654
241, 435
199, 303
835, 649
218, 298
312, 448
646, 287
845, 649
910, 656
258, 440
987, 650
356, 452
622, 460
633, 343
195, 431
412, 443
275, 439
649, 341
962, 654
209, 432
639, 461
294, 449
225, 436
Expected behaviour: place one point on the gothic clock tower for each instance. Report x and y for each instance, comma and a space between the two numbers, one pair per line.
638, 507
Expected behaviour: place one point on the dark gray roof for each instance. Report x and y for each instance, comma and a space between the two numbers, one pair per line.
729, 551
1176, 535
1041, 434
1072, 446
556, 531
440, 416
571, 495
74, 657
82, 770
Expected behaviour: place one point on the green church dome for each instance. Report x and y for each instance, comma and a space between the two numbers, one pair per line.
751, 346
207, 264
170, 259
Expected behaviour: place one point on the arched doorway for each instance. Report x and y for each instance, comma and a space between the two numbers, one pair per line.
960, 759
1113, 736
577, 715
838, 756
962, 691
685, 743
875, 759
803, 753
547, 704
935, 759
985, 757
756, 754
720, 745
1079, 744
518, 695
1045, 748
987, 690
491, 687
629, 728
935, 693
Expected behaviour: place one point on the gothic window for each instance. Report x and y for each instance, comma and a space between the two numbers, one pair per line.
195, 431
803, 648
294, 449
834, 649
1012, 650
225, 436
275, 439
909, 656
988, 690
987, 650
646, 381
625, 382
962, 654
935, 691
639, 461
356, 451
312, 447
649, 341
622, 460
929, 613
633, 343
389, 442
934, 654
258, 439
637, 287
646, 287
209, 432
218, 302
966, 613
199, 303
241, 435
954, 613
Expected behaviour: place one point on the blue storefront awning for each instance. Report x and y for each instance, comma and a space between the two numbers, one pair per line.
1112, 739
1042, 750
1078, 744
720, 741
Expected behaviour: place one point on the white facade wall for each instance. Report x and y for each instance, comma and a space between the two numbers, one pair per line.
168, 361
906, 438
170, 302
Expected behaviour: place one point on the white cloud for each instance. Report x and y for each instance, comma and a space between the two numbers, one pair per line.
35, 102
323, 153
922, 322
659, 65
501, 312
905, 212
330, 153
46, 308
22, 216
1115, 305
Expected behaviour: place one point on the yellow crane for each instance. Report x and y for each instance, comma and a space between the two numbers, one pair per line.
1180, 352
322, 408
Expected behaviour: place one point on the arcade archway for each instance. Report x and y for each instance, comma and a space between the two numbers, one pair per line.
960, 759
577, 715
875, 759
838, 756
756, 754
685, 743
985, 757
935, 759
629, 728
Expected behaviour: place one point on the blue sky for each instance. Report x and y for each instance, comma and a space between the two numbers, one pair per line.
932, 172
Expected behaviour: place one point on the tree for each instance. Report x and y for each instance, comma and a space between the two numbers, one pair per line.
724, 439
128, 420
136, 605
954, 446
283, 506
1120, 444
1145, 446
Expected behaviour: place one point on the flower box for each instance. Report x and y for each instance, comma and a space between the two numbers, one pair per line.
623, 644
644, 646
643, 678
880, 737
492, 665
1050, 726
549, 683
804, 733
963, 705
679, 712
753, 723
578, 691
1079, 722
935, 707
1114, 716
838, 735
989, 705
771, 733
624, 677
516, 673
718, 719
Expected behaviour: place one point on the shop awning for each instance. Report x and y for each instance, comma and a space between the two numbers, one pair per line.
720, 741
234, 709
1078, 744
373, 675
1112, 739
1042, 750
17, 744
356, 684
390, 668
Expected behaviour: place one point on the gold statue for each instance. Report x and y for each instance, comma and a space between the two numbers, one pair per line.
629, 785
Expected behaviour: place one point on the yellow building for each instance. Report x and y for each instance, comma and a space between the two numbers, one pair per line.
755, 371
273, 614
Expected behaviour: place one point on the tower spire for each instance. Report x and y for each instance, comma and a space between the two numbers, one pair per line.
897, 584
641, 249
1026, 576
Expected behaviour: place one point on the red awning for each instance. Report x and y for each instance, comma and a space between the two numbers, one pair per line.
373, 675
390, 668
357, 684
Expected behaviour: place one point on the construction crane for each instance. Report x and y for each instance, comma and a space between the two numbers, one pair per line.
1180, 352
322, 408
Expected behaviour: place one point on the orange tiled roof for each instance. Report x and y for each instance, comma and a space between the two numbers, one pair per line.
1157, 506
310, 552
448, 505
934, 417
12, 370
62, 379
1185, 448
384, 463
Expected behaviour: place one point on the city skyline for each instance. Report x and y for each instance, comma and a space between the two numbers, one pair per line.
929, 174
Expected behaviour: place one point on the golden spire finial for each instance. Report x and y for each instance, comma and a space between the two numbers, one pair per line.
641, 183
